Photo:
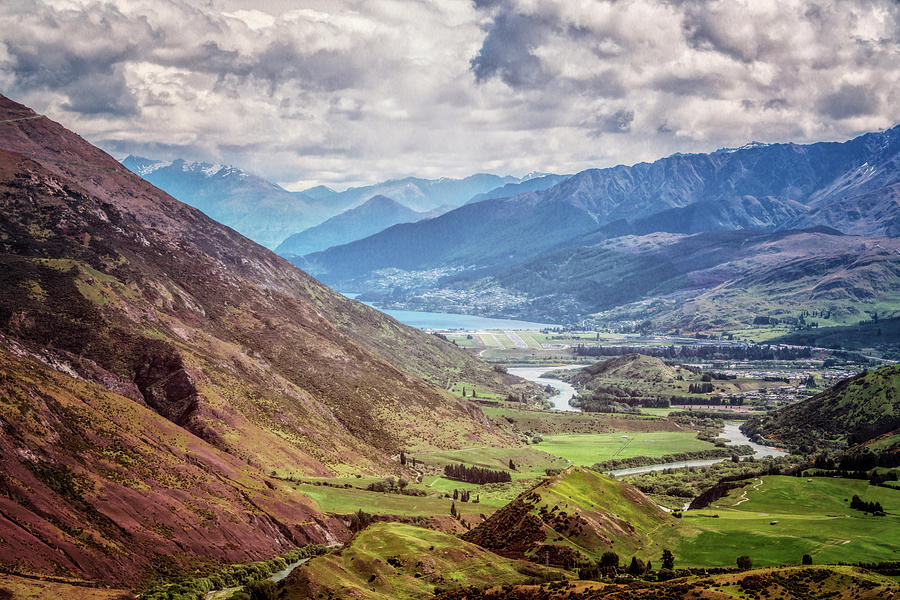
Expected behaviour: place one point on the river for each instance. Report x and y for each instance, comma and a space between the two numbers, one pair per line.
565, 392
732, 434
227, 592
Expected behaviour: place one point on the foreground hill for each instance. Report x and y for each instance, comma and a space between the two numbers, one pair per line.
95, 484
576, 515
787, 583
106, 279
853, 411
388, 561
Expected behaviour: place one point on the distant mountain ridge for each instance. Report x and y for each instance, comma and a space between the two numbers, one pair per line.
374, 215
269, 214
852, 187
259, 209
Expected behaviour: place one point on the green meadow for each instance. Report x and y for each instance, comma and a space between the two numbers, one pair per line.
812, 517
588, 448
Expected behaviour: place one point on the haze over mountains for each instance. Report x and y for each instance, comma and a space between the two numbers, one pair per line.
374, 215
527, 255
269, 214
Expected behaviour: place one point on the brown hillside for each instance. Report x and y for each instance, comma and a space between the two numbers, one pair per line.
109, 280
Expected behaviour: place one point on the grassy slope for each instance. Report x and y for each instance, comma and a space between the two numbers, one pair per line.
578, 512
854, 410
33, 589
788, 583
390, 561
586, 448
813, 517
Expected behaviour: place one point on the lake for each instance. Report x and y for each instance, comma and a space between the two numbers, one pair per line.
435, 320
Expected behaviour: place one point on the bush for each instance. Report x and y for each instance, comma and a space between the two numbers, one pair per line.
264, 589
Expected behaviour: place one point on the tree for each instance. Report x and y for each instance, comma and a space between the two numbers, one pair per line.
512, 465
744, 562
402, 458
609, 559
453, 509
668, 559
806, 560
636, 567
264, 589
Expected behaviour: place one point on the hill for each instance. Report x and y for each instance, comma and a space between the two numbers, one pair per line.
263, 211
388, 561
853, 411
377, 213
107, 280
788, 583
630, 366
573, 516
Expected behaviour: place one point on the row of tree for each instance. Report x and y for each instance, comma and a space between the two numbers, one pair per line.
706, 351
477, 475
870, 507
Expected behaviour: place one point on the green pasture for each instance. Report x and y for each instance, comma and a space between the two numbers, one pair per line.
588, 448
812, 516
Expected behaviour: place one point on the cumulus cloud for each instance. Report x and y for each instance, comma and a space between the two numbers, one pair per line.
347, 92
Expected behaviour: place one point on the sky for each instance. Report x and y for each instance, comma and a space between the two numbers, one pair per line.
352, 92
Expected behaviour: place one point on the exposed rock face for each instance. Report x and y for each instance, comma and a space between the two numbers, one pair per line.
168, 388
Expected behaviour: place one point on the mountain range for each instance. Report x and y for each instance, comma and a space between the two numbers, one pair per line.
268, 214
160, 372
549, 252
374, 215
252, 206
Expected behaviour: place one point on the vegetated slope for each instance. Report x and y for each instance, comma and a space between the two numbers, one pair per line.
377, 213
576, 515
787, 583
630, 366
264, 212
713, 279
95, 484
871, 333
107, 279
853, 411
389, 561
769, 186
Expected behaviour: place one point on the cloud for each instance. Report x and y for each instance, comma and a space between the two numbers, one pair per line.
848, 101
349, 92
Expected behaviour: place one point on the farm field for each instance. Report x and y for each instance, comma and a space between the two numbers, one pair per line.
813, 517
530, 461
350, 500
577, 422
588, 448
